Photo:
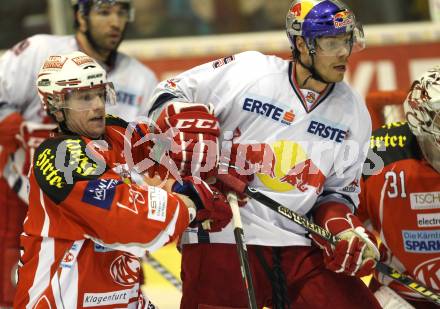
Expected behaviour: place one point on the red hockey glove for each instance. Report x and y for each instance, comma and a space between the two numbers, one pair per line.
356, 252
210, 203
250, 159
242, 199
243, 161
192, 132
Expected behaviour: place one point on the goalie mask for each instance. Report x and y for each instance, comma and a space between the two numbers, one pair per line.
73, 75
422, 111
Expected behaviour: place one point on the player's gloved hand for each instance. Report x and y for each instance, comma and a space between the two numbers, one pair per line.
242, 199
212, 206
192, 132
243, 161
253, 159
356, 253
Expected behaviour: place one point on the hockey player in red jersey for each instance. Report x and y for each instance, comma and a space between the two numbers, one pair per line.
302, 113
99, 29
400, 196
87, 223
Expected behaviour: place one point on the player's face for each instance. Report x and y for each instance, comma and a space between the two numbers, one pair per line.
332, 56
85, 113
107, 23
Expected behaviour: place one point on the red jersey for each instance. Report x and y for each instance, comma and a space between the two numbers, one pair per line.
87, 225
402, 201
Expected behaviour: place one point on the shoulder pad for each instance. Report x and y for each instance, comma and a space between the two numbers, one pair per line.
59, 162
111, 120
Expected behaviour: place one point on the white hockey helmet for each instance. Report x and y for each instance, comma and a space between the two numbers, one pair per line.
61, 75
422, 111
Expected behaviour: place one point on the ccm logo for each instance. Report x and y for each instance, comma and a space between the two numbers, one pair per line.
196, 123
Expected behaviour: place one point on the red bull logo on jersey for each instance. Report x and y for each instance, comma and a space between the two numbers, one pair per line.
343, 19
248, 158
268, 110
305, 175
171, 83
292, 170
352, 187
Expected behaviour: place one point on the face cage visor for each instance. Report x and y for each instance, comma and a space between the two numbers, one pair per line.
84, 98
427, 118
335, 45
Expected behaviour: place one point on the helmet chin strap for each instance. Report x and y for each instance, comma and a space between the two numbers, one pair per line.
62, 124
313, 72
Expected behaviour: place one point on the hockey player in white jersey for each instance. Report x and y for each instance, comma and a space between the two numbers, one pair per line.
100, 26
303, 133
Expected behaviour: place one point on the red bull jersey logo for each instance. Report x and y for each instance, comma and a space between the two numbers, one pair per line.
343, 19
305, 175
291, 169
171, 83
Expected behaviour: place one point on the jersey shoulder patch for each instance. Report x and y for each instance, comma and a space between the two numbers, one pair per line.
111, 120
60, 162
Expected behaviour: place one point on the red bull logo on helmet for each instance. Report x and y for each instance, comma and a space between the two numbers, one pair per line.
296, 9
343, 19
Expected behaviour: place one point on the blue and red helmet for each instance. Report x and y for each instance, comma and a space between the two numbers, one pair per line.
312, 19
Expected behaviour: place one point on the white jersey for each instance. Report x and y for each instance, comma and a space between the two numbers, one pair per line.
319, 140
19, 67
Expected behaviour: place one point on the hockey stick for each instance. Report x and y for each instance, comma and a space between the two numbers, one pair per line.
242, 250
241, 187
157, 266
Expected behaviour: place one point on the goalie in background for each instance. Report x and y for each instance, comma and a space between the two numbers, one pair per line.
402, 200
